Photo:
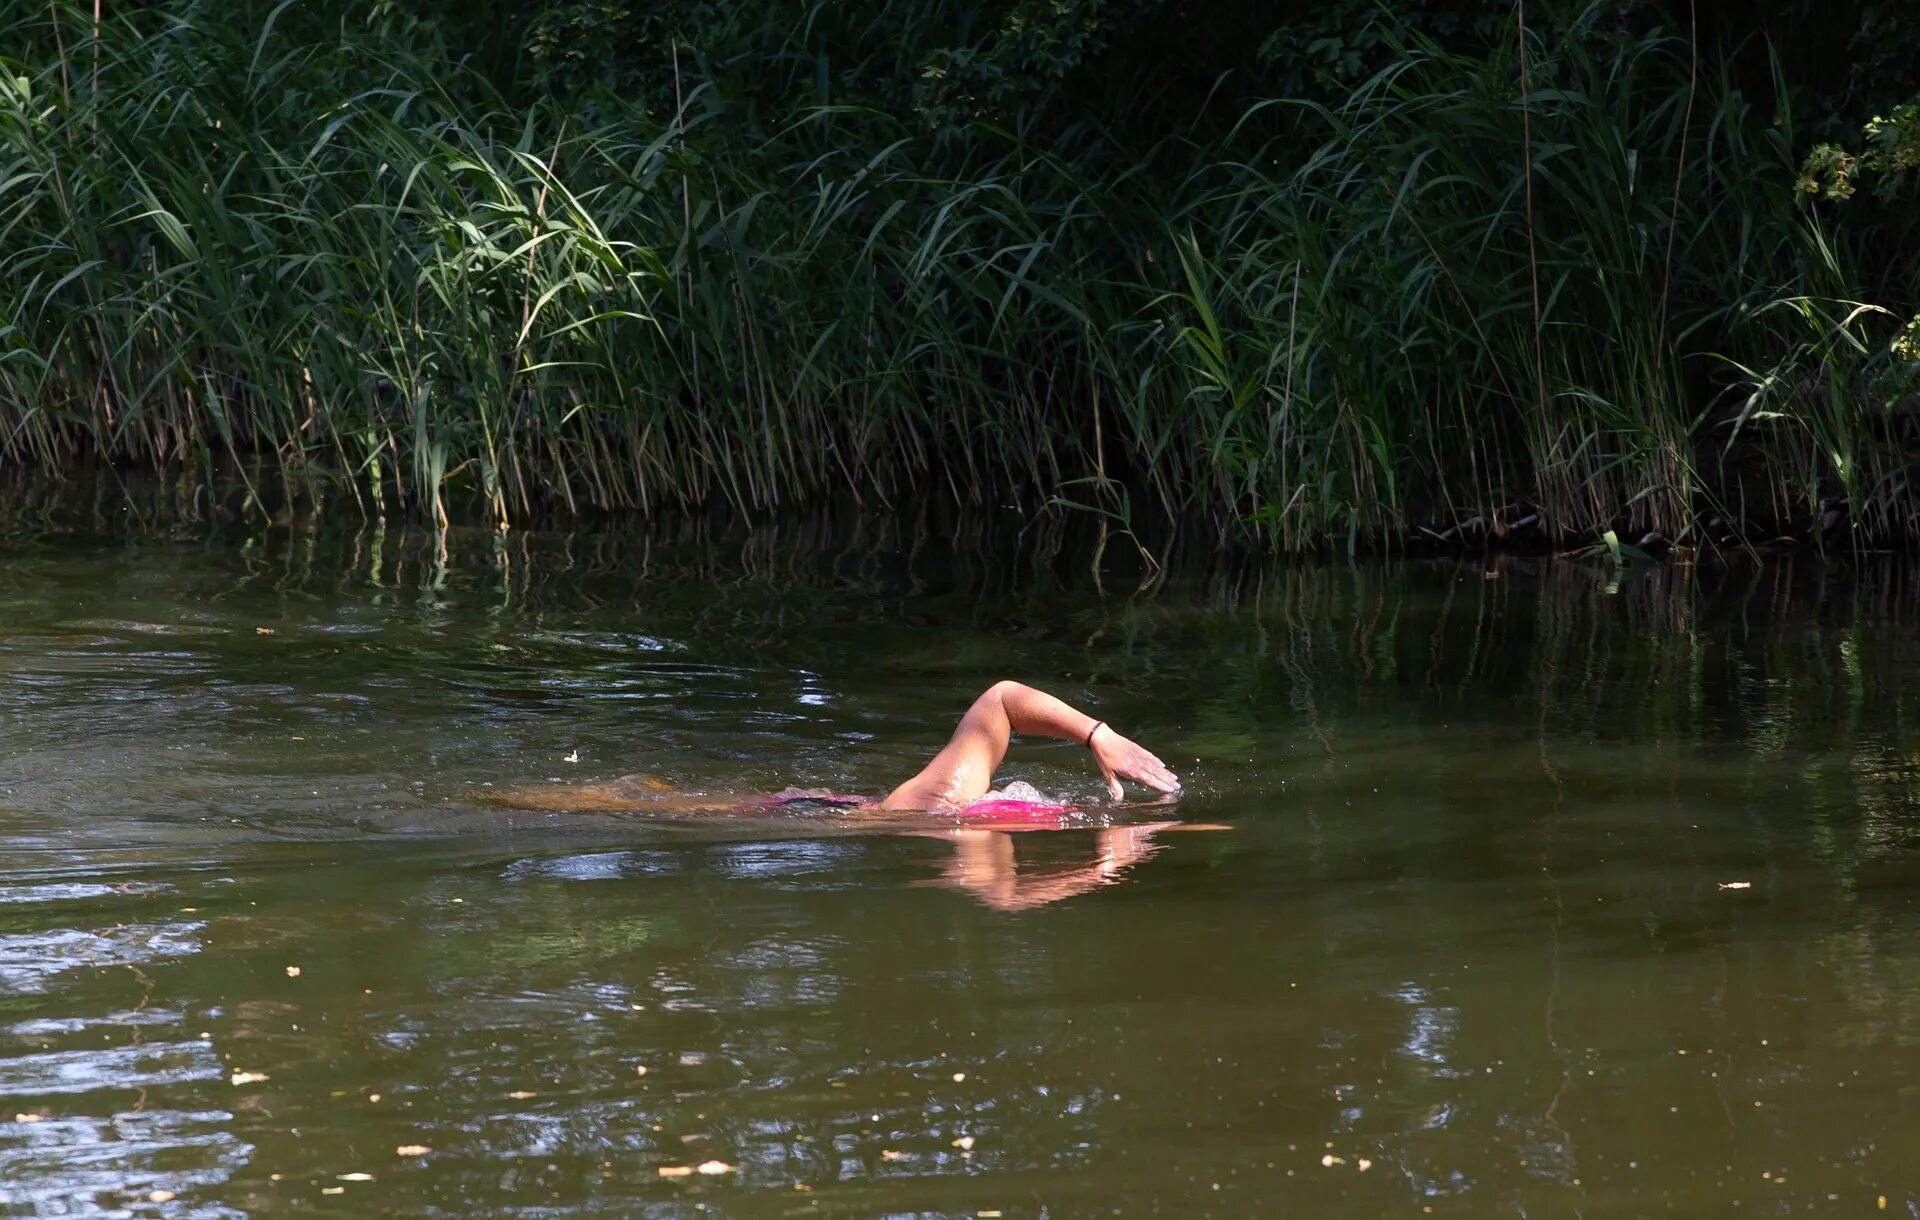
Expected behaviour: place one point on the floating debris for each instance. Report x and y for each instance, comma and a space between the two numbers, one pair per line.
412, 1150
573, 757
891, 1154
27, 1118
353, 1177
248, 1077
293, 972
964, 1143
1329, 1161
333, 1190
676, 1171
958, 1077
523, 1094
715, 1168
160, 1196
1364, 1164
1736, 885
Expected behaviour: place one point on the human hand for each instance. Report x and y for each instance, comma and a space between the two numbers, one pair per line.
1118, 759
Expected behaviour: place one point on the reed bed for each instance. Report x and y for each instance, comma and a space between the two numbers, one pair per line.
320, 254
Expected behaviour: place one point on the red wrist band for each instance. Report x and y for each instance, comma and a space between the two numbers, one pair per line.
1092, 731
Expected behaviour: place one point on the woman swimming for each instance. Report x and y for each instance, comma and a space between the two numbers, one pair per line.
962, 772
959, 779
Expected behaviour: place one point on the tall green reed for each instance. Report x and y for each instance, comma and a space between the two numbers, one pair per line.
1391, 366
322, 254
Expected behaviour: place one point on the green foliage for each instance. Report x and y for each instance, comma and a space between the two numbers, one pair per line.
610, 256
1892, 151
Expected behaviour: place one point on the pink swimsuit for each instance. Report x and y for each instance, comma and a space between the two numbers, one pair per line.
998, 809
1003, 810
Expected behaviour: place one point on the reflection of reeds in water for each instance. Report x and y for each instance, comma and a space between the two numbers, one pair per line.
1759, 651
1787, 659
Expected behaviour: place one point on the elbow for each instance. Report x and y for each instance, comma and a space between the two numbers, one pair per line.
996, 696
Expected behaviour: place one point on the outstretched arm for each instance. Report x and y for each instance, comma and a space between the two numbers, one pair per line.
963, 769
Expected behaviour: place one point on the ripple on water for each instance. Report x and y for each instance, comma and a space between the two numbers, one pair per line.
128, 668
74, 891
793, 858
135, 627
115, 1067
46, 1027
97, 1166
595, 866
29, 959
56, 643
613, 641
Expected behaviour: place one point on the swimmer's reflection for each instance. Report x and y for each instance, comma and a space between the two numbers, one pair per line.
984, 864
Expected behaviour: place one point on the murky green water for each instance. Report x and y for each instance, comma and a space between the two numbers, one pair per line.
1467, 946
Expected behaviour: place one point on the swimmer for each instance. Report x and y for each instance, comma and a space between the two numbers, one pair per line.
962, 772
958, 779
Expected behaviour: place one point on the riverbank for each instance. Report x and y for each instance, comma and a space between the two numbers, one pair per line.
347, 250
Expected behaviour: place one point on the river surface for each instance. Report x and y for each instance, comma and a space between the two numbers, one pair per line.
1543, 890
